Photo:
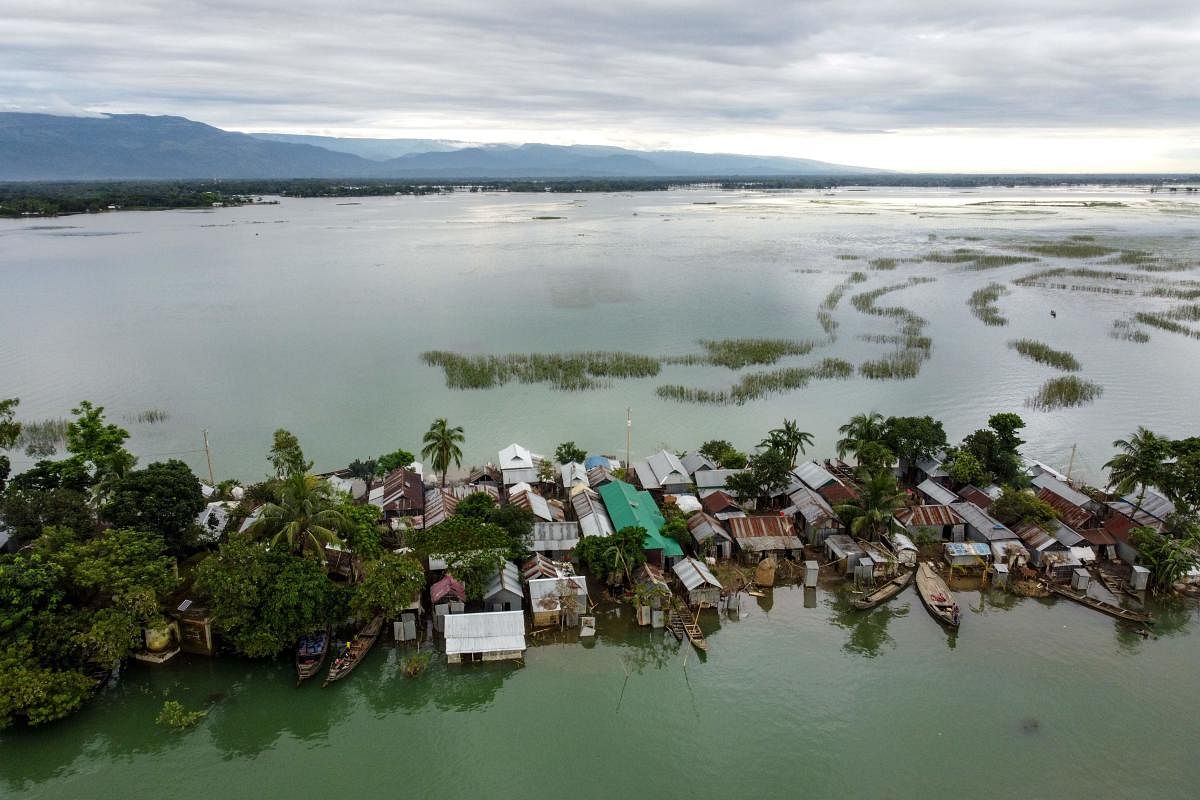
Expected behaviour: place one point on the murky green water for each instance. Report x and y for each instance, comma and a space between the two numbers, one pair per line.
311, 315
799, 697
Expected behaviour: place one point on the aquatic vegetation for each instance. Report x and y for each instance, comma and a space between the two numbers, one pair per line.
882, 263
960, 256
150, 416
901, 365
828, 323
759, 384
42, 438
567, 371
1189, 312
848, 257
858, 277
1127, 330
1161, 322
983, 304
415, 664
1069, 249
1045, 354
993, 261
738, 353
1174, 292
1065, 392
912, 348
175, 716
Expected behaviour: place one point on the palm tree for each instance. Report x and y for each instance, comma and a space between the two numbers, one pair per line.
788, 439
1139, 465
367, 470
860, 430
442, 446
305, 517
879, 498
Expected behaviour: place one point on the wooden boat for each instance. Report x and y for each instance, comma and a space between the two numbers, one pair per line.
935, 594
1127, 614
687, 630
885, 592
310, 654
362, 643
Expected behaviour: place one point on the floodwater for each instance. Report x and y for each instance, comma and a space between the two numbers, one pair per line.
311, 315
799, 696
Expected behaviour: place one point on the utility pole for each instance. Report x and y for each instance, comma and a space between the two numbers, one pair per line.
628, 431
208, 455
1071, 465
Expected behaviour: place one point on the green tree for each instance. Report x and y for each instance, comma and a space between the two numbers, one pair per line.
913, 439
164, 497
723, 453
390, 584
361, 529
870, 513
479, 505
441, 446
768, 473
10, 432
1181, 483
567, 453
366, 471
1139, 465
1167, 558
92, 441
50, 494
306, 518
395, 460
677, 529
473, 549
966, 469
861, 429
286, 456
1006, 426
263, 599
788, 439
617, 554
874, 457
1021, 506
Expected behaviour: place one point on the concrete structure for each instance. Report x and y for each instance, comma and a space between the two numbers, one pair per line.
487, 636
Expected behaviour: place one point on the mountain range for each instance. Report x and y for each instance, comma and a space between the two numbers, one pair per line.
44, 147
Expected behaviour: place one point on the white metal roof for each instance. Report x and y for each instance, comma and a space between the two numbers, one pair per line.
515, 457
1061, 489
715, 478
555, 535
507, 579
573, 474
695, 462
982, 522
692, 573
937, 493
485, 632
540, 588
813, 475
687, 503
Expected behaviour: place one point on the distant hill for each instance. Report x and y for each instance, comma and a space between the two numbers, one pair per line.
42, 147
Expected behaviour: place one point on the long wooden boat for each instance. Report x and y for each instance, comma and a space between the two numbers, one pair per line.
885, 592
310, 654
1127, 614
935, 594
362, 643
687, 630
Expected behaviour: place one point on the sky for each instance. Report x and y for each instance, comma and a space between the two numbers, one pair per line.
950, 85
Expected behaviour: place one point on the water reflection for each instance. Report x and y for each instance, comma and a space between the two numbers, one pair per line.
1172, 617
868, 629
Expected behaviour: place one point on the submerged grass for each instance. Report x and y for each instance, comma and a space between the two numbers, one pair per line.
738, 353
567, 371
912, 349
1045, 354
983, 304
1127, 330
1162, 322
1065, 392
1069, 249
42, 438
882, 263
759, 384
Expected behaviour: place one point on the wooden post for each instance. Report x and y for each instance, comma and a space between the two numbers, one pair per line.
208, 455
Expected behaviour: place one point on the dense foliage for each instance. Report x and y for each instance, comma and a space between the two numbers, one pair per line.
390, 585
1021, 506
567, 452
615, 556
164, 498
723, 453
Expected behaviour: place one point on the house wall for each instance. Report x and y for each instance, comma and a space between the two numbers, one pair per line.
499, 655
1126, 552
496, 602
544, 617
708, 595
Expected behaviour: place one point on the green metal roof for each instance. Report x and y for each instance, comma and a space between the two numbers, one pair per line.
629, 507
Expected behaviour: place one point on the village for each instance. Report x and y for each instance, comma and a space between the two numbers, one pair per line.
677, 536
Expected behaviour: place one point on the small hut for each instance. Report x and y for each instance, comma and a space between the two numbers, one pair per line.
503, 592
494, 636
702, 587
558, 601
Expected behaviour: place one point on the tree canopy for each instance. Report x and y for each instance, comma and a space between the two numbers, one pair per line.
567, 452
389, 586
394, 460
286, 456
164, 497
618, 553
723, 453
442, 446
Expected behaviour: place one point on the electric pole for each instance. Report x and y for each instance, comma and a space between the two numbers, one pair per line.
208, 455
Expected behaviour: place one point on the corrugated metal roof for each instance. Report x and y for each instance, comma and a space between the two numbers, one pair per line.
936, 492
533, 502
542, 588
982, 522
1097, 537
508, 579
1035, 538
555, 535
593, 519
705, 526
837, 493
485, 632
540, 567
975, 496
1153, 504
934, 516
810, 505
763, 533
715, 478
1049, 482
932, 467
697, 462
1071, 514
629, 507
718, 502
573, 474
813, 475
843, 546
693, 573
448, 585
668, 469
439, 504
599, 475
515, 457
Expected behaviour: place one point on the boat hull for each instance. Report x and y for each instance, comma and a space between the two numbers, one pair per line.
936, 596
886, 592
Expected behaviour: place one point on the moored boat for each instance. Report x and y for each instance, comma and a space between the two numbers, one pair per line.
885, 592
1127, 614
362, 643
310, 654
935, 594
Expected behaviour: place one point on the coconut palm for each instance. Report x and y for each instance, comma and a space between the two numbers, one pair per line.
869, 514
306, 516
860, 430
1139, 465
788, 439
442, 446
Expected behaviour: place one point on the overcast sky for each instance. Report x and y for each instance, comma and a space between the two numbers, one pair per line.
966, 85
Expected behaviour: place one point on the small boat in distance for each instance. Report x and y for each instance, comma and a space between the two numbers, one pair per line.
935, 594
310, 654
363, 641
885, 592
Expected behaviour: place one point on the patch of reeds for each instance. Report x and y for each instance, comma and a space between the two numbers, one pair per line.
848, 257
858, 277
828, 323
1127, 330
882, 263
993, 261
1079, 237
1174, 292
41, 438
982, 303
151, 416
759, 384
1189, 312
566, 371
960, 255
1069, 249
912, 348
415, 664
1045, 354
1161, 322
738, 353
901, 365
1065, 392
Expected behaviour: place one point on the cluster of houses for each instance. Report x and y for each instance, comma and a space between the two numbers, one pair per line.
600, 496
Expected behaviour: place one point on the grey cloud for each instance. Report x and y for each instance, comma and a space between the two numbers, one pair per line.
652, 67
